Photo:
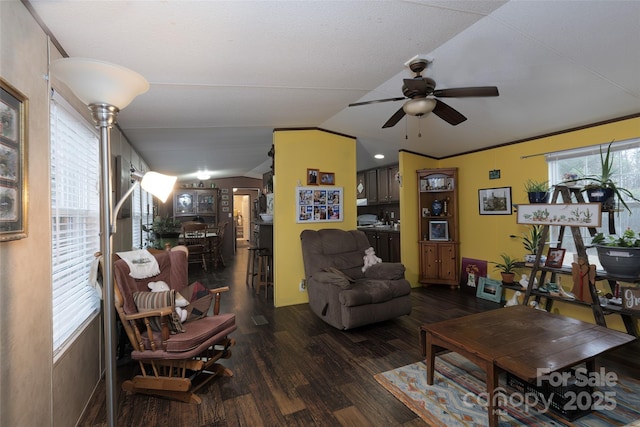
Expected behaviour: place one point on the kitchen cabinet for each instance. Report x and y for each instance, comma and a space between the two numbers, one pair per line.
196, 202
385, 243
379, 186
438, 226
371, 186
388, 185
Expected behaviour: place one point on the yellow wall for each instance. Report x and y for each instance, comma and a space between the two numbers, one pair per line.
486, 236
297, 150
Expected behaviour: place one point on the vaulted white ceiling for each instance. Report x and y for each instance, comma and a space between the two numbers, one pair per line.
224, 74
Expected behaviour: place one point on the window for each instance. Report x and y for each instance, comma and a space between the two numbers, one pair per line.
75, 210
141, 208
586, 161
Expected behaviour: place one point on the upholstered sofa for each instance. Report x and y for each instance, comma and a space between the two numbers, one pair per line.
340, 293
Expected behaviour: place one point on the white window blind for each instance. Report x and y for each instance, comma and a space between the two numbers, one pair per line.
136, 217
75, 209
142, 205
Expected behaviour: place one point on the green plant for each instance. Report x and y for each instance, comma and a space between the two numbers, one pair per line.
533, 186
605, 179
507, 266
531, 240
629, 239
163, 225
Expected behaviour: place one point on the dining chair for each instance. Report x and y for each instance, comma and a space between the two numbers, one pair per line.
195, 239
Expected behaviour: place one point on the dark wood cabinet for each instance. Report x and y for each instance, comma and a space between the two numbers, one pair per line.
371, 186
196, 202
388, 185
379, 186
385, 243
438, 226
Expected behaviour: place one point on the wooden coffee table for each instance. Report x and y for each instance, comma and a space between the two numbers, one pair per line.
518, 340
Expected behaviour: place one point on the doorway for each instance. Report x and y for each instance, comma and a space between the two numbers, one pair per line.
242, 219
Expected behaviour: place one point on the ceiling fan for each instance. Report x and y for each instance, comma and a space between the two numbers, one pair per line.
422, 94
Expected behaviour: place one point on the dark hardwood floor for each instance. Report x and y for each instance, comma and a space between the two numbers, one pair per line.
295, 370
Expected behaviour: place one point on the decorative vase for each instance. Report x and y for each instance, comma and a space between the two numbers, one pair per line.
436, 207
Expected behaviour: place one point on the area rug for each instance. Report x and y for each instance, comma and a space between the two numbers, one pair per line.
458, 398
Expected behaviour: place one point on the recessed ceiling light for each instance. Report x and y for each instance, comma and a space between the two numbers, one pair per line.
203, 175
379, 156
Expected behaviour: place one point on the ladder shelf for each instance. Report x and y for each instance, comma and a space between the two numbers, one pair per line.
590, 297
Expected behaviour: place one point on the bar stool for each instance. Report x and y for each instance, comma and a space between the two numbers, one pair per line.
251, 265
264, 271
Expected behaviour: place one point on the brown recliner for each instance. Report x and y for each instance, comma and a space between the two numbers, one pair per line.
339, 292
172, 364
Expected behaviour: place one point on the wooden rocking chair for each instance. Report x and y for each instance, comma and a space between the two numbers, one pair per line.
172, 365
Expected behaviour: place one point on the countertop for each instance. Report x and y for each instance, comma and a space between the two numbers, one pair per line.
385, 228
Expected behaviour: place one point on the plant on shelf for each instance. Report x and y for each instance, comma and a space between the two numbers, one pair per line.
601, 188
537, 191
619, 255
530, 242
507, 267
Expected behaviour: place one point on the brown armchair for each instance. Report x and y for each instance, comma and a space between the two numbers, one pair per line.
340, 293
172, 364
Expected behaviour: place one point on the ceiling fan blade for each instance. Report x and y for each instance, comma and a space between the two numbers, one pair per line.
461, 92
394, 119
355, 104
448, 113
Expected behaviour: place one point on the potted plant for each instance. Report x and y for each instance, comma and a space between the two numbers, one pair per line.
601, 188
538, 191
530, 242
507, 268
163, 231
619, 256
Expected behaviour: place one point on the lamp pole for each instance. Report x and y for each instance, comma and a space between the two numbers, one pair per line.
104, 116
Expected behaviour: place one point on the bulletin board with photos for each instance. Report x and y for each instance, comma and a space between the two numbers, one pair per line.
319, 204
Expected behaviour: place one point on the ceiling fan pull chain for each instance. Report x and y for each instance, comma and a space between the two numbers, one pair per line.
406, 129
419, 126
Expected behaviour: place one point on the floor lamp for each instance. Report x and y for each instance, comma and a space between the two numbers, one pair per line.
107, 88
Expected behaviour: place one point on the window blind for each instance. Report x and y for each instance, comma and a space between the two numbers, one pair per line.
75, 210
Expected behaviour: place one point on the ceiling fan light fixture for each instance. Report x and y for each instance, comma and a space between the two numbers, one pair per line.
419, 106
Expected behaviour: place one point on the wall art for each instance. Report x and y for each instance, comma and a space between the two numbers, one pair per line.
319, 204
13, 165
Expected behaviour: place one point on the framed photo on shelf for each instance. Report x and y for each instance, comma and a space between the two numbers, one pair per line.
438, 230
489, 289
312, 176
13, 155
472, 271
327, 178
495, 201
555, 256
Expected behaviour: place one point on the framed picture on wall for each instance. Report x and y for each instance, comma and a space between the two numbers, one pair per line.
495, 201
312, 176
319, 204
13, 154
